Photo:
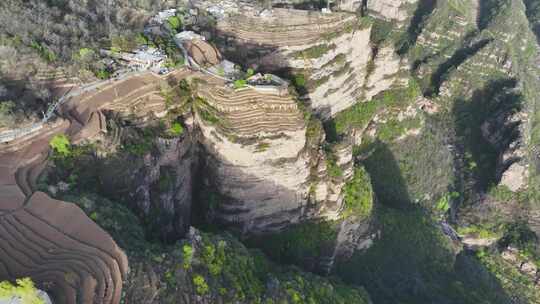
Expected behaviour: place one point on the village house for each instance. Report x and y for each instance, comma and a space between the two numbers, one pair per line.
144, 58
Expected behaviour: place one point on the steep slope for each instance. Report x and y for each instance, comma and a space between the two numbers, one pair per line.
207, 268
266, 168
329, 56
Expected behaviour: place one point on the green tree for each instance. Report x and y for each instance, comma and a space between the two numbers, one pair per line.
187, 251
176, 129
358, 194
200, 284
23, 290
175, 23
61, 145
240, 83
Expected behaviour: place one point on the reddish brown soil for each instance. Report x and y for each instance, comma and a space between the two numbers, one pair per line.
52, 241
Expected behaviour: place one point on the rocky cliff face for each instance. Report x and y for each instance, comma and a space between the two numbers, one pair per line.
246, 158
440, 98
163, 185
391, 10
265, 162
330, 55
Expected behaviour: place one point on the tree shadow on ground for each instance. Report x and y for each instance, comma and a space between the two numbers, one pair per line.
388, 183
411, 261
422, 12
485, 131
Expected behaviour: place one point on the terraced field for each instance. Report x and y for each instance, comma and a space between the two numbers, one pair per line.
54, 242
247, 112
285, 27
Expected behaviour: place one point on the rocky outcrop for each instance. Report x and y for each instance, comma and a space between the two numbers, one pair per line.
386, 64
391, 10
332, 52
350, 5
162, 186
259, 161
355, 234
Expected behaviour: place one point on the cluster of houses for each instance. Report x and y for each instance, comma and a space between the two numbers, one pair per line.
199, 54
142, 59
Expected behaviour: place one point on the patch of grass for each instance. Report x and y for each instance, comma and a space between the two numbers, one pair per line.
358, 195
143, 143
262, 146
176, 129
519, 286
314, 52
443, 204
380, 31
314, 132
393, 128
359, 115
103, 74
333, 169
206, 111
315, 83
519, 235
339, 60
501, 193
299, 80
356, 116
118, 220
43, 51
486, 231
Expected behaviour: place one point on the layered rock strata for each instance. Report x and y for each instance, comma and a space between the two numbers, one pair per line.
331, 51
391, 10
261, 164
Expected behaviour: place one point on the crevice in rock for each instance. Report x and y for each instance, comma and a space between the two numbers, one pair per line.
363, 8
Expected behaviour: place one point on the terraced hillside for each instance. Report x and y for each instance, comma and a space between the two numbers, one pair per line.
138, 95
248, 136
247, 112
330, 56
263, 161
402, 158
52, 241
